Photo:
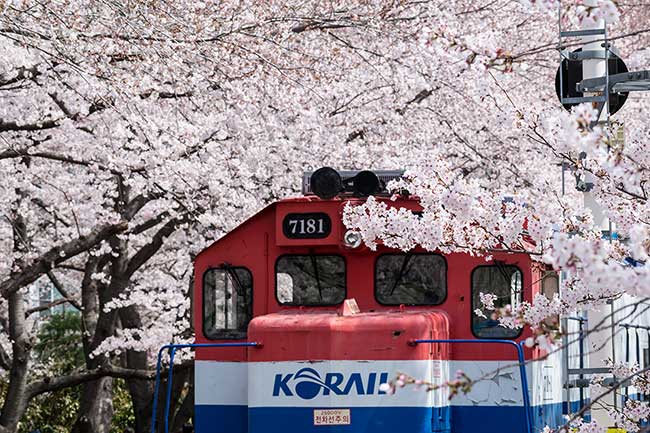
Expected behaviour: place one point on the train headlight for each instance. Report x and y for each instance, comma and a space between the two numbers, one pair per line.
352, 239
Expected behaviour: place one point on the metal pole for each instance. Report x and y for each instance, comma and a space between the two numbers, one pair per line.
528, 410
646, 361
173, 348
595, 68
581, 348
627, 353
613, 338
156, 388
638, 355
567, 366
168, 398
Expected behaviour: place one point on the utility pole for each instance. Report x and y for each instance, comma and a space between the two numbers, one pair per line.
594, 75
594, 59
601, 343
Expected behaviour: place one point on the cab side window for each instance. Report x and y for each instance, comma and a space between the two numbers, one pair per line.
550, 284
227, 302
550, 288
411, 279
505, 283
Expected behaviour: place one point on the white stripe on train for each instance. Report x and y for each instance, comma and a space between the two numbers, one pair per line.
356, 383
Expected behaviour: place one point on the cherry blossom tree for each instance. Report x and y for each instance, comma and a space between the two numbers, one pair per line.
136, 133
483, 213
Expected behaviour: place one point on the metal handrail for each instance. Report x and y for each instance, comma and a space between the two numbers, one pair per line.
172, 352
522, 369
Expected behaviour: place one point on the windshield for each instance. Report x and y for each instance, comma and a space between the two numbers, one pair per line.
310, 280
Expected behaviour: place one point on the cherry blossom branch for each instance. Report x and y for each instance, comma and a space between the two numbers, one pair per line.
16, 153
59, 254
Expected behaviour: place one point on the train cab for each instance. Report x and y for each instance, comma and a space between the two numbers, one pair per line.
334, 320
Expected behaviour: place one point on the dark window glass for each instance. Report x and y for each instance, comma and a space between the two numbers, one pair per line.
550, 284
411, 279
551, 287
505, 282
227, 303
310, 280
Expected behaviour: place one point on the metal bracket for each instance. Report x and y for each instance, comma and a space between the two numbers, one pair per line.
589, 32
625, 82
592, 370
585, 55
581, 99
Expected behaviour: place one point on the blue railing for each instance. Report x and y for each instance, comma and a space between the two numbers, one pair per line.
528, 411
172, 348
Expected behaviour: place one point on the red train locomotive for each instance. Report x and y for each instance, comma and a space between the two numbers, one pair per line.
323, 321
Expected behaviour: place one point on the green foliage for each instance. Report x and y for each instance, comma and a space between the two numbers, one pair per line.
59, 343
59, 347
52, 413
123, 417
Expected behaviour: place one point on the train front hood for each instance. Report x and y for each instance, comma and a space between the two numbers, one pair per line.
317, 335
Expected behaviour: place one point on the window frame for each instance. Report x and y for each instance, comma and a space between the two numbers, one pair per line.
235, 335
473, 307
444, 299
275, 279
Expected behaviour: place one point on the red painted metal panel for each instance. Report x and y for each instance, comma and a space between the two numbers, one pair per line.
257, 243
293, 336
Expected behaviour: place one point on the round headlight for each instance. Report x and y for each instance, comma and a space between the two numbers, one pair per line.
352, 239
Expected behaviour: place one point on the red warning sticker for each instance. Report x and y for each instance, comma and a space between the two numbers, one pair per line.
332, 417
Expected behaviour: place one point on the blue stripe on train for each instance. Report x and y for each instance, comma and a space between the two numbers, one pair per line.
363, 419
220, 419
238, 419
464, 419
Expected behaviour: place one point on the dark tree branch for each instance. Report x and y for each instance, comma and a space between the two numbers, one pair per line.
22, 74
359, 133
147, 251
46, 307
58, 254
59, 103
15, 153
38, 126
50, 384
134, 206
24, 32
5, 360
421, 96
166, 95
149, 224
322, 25
38, 202
62, 290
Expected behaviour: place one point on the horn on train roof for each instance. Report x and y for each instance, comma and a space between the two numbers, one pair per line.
327, 182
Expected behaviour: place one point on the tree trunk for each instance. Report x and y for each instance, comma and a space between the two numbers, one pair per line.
141, 391
185, 409
96, 409
16, 399
96, 406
